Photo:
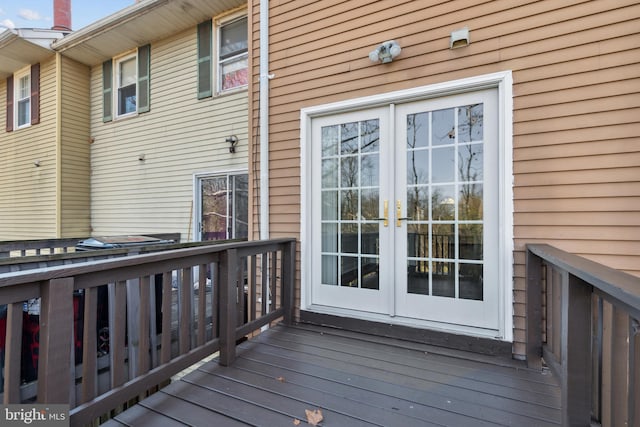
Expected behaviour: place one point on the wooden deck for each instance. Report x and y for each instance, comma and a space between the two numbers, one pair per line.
355, 380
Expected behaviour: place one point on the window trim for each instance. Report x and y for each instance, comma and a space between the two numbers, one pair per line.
116, 83
111, 83
17, 77
219, 23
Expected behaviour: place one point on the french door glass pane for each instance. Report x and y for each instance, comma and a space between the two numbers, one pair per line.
214, 208
445, 228
225, 207
350, 187
240, 206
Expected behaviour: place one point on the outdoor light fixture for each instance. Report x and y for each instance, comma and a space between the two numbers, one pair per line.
459, 38
385, 52
232, 140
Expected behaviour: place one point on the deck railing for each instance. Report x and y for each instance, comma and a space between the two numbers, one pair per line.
211, 296
23, 248
582, 318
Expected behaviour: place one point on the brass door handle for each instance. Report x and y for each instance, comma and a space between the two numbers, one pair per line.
399, 213
385, 212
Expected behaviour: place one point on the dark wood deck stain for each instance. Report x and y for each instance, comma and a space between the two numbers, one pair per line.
355, 380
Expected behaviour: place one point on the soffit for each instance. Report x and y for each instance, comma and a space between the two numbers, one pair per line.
16, 53
137, 25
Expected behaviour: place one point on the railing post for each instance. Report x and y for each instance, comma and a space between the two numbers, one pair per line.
228, 308
576, 351
13, 353
289, 281
56, 322
534, 310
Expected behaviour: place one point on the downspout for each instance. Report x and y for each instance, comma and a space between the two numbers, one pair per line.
264, 119
58, 144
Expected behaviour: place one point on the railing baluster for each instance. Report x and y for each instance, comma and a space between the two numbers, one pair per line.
596, 348
185, 312
228, 304
144, 317
576, 351
273, 294
56, 320
620, 341
117, 326
165, 351
634, 374
289, 281
89, 346
202, 303
534, 311
264, 275
216, 283
253, 294
13, 352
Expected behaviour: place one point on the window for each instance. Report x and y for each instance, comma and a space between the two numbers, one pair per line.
129, 76
232, 56
126, 84
23, 98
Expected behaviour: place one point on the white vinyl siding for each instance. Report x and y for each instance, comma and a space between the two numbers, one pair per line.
74, 151
27, 191
179, 137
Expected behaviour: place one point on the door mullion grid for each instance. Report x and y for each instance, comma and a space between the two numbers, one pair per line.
430, 203
457, 205
359, 193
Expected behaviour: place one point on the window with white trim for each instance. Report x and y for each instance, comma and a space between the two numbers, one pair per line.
126, 84
233, 54
23, 99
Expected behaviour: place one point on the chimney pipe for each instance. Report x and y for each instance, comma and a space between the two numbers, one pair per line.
61, 15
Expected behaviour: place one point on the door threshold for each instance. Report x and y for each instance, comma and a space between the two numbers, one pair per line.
407, 333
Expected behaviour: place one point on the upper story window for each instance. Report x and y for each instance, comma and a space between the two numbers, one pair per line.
231, 55
125, 84
23, 98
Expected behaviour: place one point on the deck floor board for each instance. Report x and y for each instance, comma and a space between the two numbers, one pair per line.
355, 380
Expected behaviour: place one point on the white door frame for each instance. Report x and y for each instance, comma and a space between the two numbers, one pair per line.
503, 82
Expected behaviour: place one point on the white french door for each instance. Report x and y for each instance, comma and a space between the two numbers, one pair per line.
446, 234
405, 213
350, 176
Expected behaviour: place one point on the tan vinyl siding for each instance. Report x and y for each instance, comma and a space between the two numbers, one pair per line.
180, 136
576, 71
27, 192
75, 167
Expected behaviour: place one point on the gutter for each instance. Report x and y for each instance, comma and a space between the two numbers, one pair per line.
264, 119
